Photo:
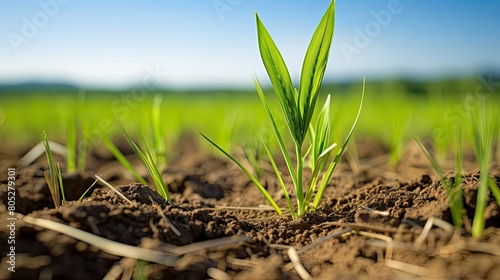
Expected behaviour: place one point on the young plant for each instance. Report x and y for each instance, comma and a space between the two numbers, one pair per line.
453, 188
254, 152
399, 131
76, 157
297, 107
483, 130
483, 139
158, 134
54, 176
148, 159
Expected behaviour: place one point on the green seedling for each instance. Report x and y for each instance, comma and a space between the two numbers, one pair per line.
54, 176
87, 190
353, 157
453, 188
76, 157
158, 134
254, 153
147, 157
297, 107
483, 139
399, 131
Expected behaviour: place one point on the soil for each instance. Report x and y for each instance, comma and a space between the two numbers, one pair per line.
369, 226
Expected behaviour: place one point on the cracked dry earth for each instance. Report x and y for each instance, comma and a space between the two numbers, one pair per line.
370, 225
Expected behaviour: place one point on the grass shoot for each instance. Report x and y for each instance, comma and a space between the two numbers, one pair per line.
254, 153
298, 107
158, 133
54, 176
483, 140
76, 157
147, 157
483, 131
453, 188
398, 138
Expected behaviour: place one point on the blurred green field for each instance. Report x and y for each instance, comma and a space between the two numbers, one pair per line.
391, 111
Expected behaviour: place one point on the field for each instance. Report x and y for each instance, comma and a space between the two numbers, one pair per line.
385, 212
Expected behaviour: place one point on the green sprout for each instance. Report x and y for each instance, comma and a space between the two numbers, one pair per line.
254, 152
453, 188
483, 139
158, 135
54, 176
483, 130
76, 157
146, 155
399, 131
297, 107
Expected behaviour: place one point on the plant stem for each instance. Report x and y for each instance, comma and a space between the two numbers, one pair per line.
298, 184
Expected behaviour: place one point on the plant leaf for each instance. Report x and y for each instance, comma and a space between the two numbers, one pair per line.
280, 79
314, 65
249, 174
336, 159
277, 133
429, 156
278, 175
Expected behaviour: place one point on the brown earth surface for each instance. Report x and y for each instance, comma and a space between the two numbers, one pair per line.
369, 226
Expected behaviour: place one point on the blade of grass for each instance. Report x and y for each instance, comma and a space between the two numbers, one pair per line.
453, 190
86, 191
400, 127
253, 159
429, 156
122, 159
321, 135
276, 132
296, 177
71, 144
494, 190
249, 174
455, 196
278, 175
329, 172
77, 147
83, 144
280, 79
54, 177
159, 146
147, 159
314, 65
482, 148
60, 182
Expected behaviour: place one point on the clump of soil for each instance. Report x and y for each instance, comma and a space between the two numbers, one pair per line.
369, 226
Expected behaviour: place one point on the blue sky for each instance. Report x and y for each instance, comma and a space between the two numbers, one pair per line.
189, 43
